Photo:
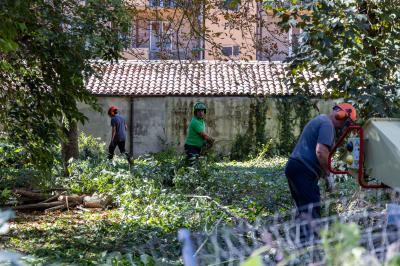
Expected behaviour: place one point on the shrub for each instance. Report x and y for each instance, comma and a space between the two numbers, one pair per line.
91, 148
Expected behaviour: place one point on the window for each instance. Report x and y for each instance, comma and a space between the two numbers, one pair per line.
160, 36
236, 50
140, 34
137, 35
232, 5
162, 3
231, 50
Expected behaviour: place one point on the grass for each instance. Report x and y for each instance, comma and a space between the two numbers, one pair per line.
149, 223
143, 227
76, 237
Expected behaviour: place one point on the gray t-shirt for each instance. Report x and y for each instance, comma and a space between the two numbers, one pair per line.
318, 130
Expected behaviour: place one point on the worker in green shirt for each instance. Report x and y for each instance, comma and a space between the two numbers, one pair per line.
197, 138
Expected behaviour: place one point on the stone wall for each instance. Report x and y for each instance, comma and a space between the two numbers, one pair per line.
160, 122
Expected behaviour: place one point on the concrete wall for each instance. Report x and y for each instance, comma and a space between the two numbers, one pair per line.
159, 122
99, 123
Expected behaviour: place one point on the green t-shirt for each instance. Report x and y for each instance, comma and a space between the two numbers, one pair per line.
193, 138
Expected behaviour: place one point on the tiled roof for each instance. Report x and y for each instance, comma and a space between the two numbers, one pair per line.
199, 78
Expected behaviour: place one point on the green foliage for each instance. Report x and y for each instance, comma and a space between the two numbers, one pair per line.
5, 196
255, 144
198, 197
353, 46
263, 152
253, 261
344, 239
91, 148
395, 261
250, 144
149, 210
242, 148
292, 111
196, 179
286, 125
16, 170
47, 50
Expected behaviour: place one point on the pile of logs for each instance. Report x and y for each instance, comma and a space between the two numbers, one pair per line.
37, 201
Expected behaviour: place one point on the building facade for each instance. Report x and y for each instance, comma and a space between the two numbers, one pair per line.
207, 30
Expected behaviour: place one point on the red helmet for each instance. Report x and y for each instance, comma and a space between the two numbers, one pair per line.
112, 109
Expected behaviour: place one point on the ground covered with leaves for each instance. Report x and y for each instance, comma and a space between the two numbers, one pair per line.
152, 199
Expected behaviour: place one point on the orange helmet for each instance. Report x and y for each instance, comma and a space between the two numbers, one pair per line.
112, 110
344, 111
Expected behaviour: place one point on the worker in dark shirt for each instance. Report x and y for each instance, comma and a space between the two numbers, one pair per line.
309, 159
118, 132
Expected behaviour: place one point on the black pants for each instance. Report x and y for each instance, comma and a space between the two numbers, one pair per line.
303, 185
192, 153
113, 146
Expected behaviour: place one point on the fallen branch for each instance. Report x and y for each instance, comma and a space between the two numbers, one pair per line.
38, 205
59, 207
53, 197
224, 208
61, 201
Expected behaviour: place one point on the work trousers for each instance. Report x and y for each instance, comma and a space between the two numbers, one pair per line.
192, 153
113, 145
303, 185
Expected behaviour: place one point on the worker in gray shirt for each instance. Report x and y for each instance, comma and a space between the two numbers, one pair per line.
309, 159
118, 132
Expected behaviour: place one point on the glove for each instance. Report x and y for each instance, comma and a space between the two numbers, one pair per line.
330, 182
210, 142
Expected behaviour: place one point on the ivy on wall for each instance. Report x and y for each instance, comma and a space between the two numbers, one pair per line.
293, 113
248, 145
287, 121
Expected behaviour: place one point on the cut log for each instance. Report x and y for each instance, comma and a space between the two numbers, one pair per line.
97, 201
30, 194
71, 199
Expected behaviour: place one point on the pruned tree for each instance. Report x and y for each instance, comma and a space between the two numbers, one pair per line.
352, 45
46, 51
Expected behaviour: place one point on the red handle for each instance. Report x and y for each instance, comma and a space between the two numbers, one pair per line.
363, 183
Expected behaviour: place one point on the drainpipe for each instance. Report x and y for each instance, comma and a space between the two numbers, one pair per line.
202, 20
259, 31
131, 127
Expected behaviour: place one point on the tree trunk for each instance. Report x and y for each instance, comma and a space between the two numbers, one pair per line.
70, 148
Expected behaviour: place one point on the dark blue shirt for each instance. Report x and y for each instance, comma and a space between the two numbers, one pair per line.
318, 130
119, 123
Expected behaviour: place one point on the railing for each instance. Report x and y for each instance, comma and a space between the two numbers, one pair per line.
172, 55
285, 3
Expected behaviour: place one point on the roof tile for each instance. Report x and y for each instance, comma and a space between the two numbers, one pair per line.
184, 78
